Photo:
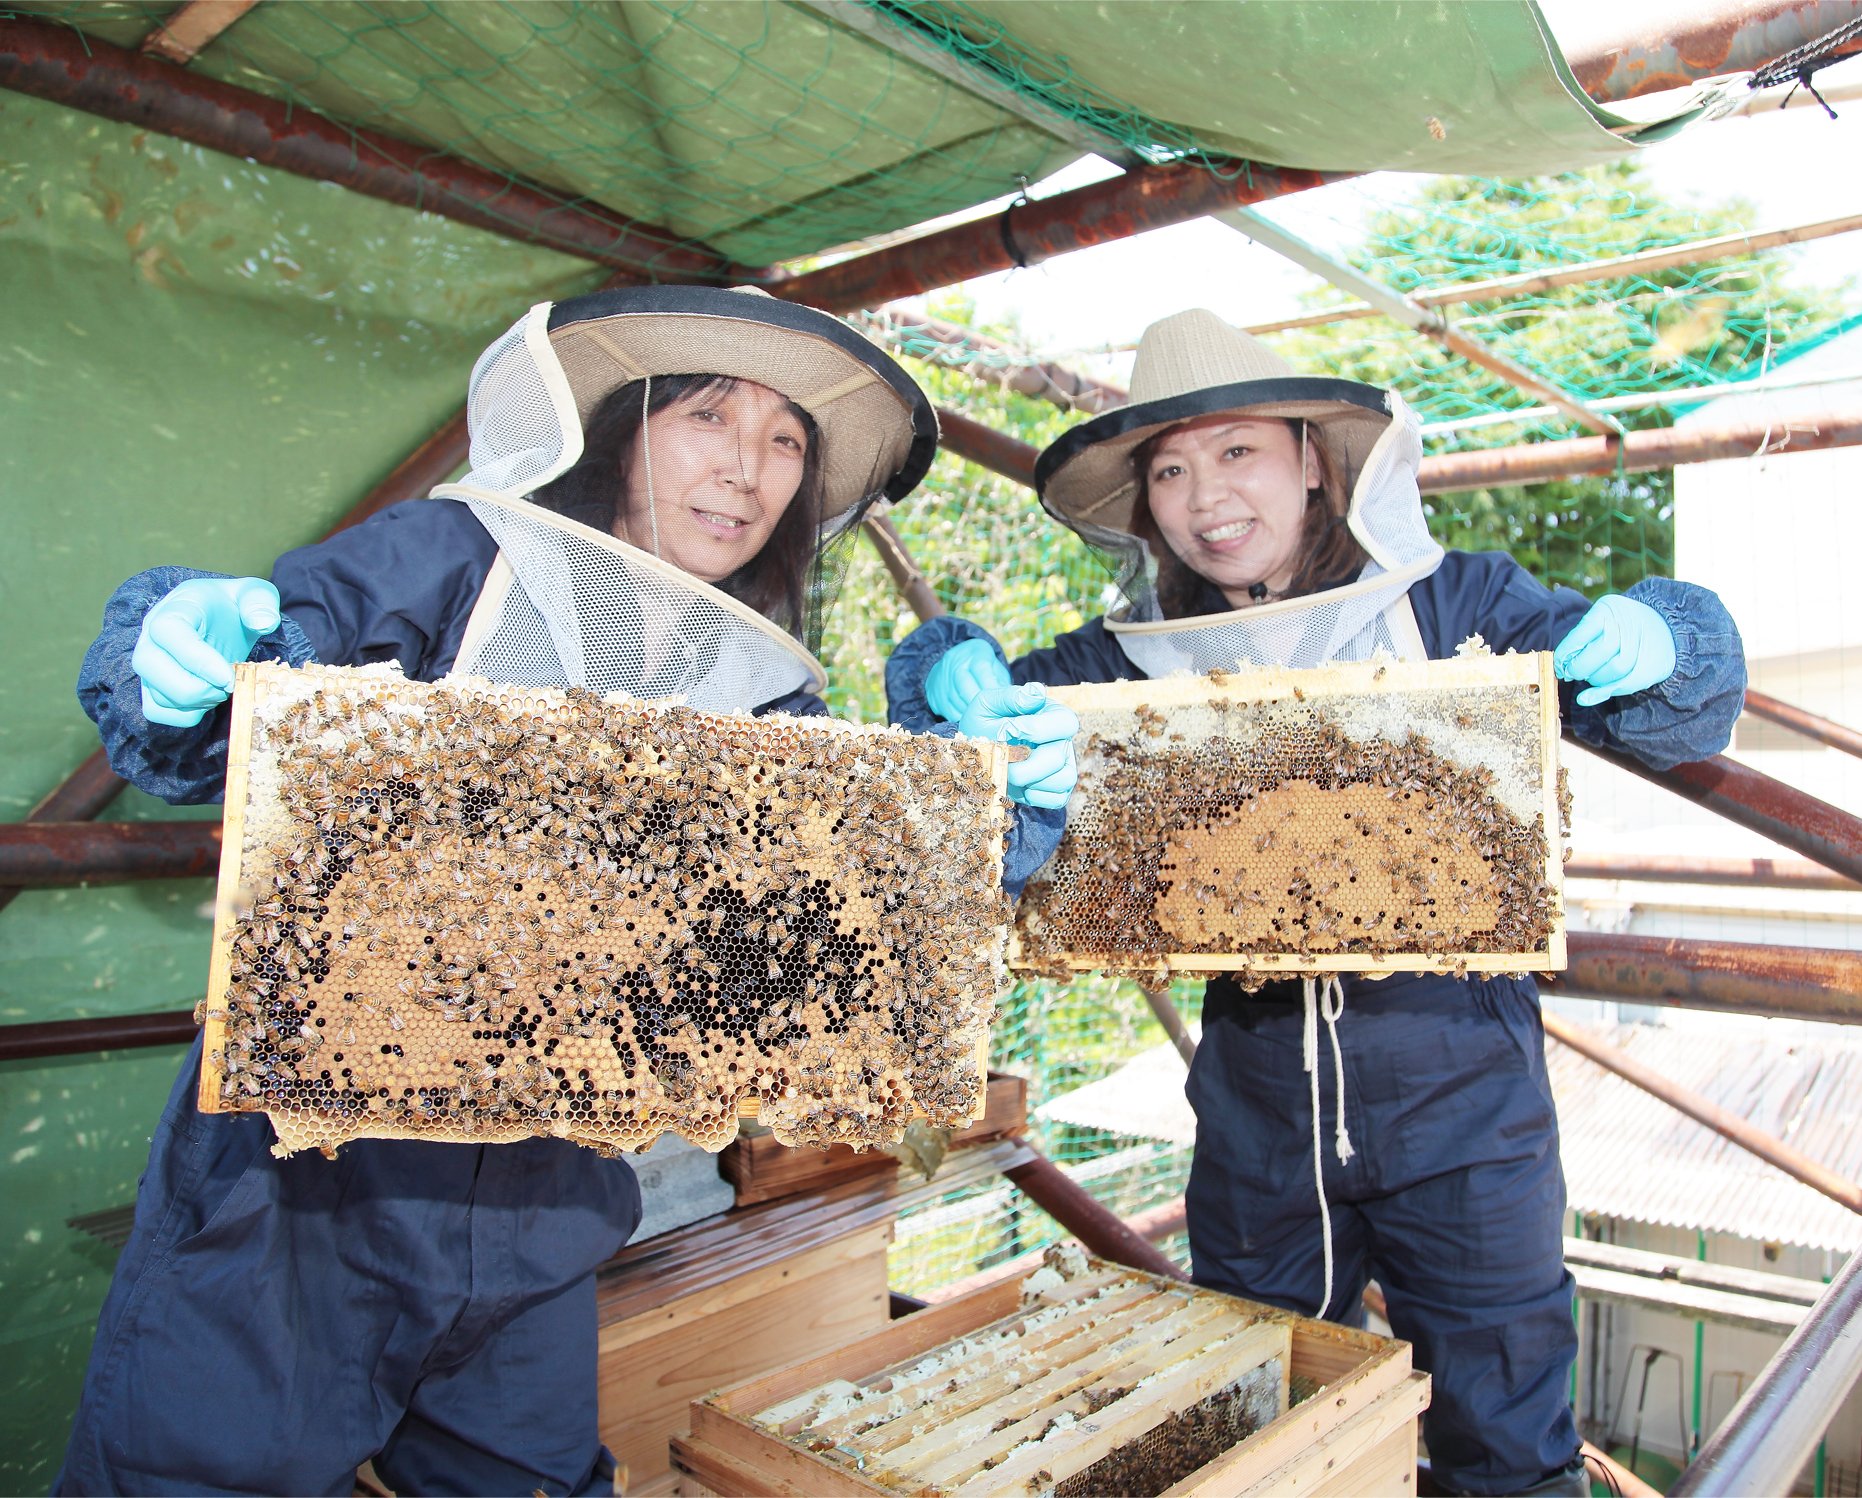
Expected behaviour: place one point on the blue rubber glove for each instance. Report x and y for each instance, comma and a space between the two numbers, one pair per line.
192, 639
959, 674
1620, 646
1023, 715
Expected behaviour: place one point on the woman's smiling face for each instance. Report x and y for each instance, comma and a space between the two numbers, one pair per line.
724, 466
1228, 494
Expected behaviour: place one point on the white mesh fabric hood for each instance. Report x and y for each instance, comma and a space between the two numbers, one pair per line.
566, 605
1340, 624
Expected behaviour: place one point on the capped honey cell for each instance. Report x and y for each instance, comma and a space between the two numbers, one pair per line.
460, 911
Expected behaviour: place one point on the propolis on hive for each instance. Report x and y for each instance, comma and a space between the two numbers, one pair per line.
459, 911
1364, 817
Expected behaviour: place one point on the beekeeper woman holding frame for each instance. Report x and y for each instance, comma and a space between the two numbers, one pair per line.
656, 477
1254, 515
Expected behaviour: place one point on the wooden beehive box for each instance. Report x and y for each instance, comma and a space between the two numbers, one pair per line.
1367, 817
1091, 1380
469, 912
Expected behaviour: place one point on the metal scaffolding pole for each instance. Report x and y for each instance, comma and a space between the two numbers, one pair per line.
1762, 1445
1657, 868
1427, 321
67, 67
53, 854
1102, 1231
1526, 283
1820, 983
1727, 1124
1650, 47
1811, 725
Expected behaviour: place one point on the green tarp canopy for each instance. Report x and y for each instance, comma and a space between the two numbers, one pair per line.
207, 362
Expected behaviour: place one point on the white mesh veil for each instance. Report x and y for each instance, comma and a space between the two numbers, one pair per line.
1351, 622
569, 605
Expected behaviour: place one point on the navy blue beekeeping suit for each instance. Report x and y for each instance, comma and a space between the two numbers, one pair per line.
1454, 1201
385, 1303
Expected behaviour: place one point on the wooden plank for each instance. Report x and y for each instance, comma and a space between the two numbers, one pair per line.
1335, 1461
1781, 1287
960, 1451
994, 1370
763, 1170
226, 896
909, 1337
1143, 1409
646, 1388
1068, 1361
1355, 1370
789, 1464
709, 1471
712, 1251
1697, 1302
856, 1249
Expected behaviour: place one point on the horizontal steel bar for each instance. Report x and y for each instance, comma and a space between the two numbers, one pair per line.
1658, 868
40, 855
1821, 983
1100, 1229
75, 1037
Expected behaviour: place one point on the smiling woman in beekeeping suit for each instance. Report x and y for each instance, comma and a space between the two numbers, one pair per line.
657, 479
1253, 515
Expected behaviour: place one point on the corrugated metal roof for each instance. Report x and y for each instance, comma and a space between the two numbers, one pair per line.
1628, 1154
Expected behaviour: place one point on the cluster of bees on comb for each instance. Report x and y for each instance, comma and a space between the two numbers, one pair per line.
1287, 830
473, 912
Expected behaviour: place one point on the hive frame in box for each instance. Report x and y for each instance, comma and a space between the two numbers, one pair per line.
1352, 1429
952, 780
1143, 717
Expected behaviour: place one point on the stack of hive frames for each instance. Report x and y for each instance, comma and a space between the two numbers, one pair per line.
468, 912
1105, 1380
1365, 817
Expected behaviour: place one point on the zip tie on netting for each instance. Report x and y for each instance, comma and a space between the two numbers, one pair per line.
1325, 998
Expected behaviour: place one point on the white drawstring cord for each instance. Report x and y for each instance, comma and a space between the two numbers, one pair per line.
1327, 998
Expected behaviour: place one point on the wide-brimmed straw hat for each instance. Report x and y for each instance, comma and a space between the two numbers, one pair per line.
878, 429
1193, 364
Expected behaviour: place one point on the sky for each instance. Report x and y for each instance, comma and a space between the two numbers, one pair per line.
1786, 164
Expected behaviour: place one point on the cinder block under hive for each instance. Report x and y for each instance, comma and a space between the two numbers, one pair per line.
1364, 817
1084, 1378
461, 911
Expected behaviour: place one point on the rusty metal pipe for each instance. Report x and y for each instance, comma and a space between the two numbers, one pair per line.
1638, 452
1771, 1432
1821, 832
1761, 873
984, 445
1101, 1231
1727, 1124
1821, 983
1026, 233
1811, 725
914, 587
83, 72
40, 855
75, 1037
1650, 48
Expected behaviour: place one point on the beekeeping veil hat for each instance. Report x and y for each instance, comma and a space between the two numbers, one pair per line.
568, 603
1193, 364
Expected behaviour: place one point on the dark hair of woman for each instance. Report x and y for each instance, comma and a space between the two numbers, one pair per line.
775, 582
1330, 555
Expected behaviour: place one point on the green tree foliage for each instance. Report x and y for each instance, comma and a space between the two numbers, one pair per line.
1671, 329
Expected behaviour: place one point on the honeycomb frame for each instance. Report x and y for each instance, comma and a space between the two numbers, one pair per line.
1372, 817
470, 912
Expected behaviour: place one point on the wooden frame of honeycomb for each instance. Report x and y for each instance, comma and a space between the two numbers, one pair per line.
1366, 817
468, 912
